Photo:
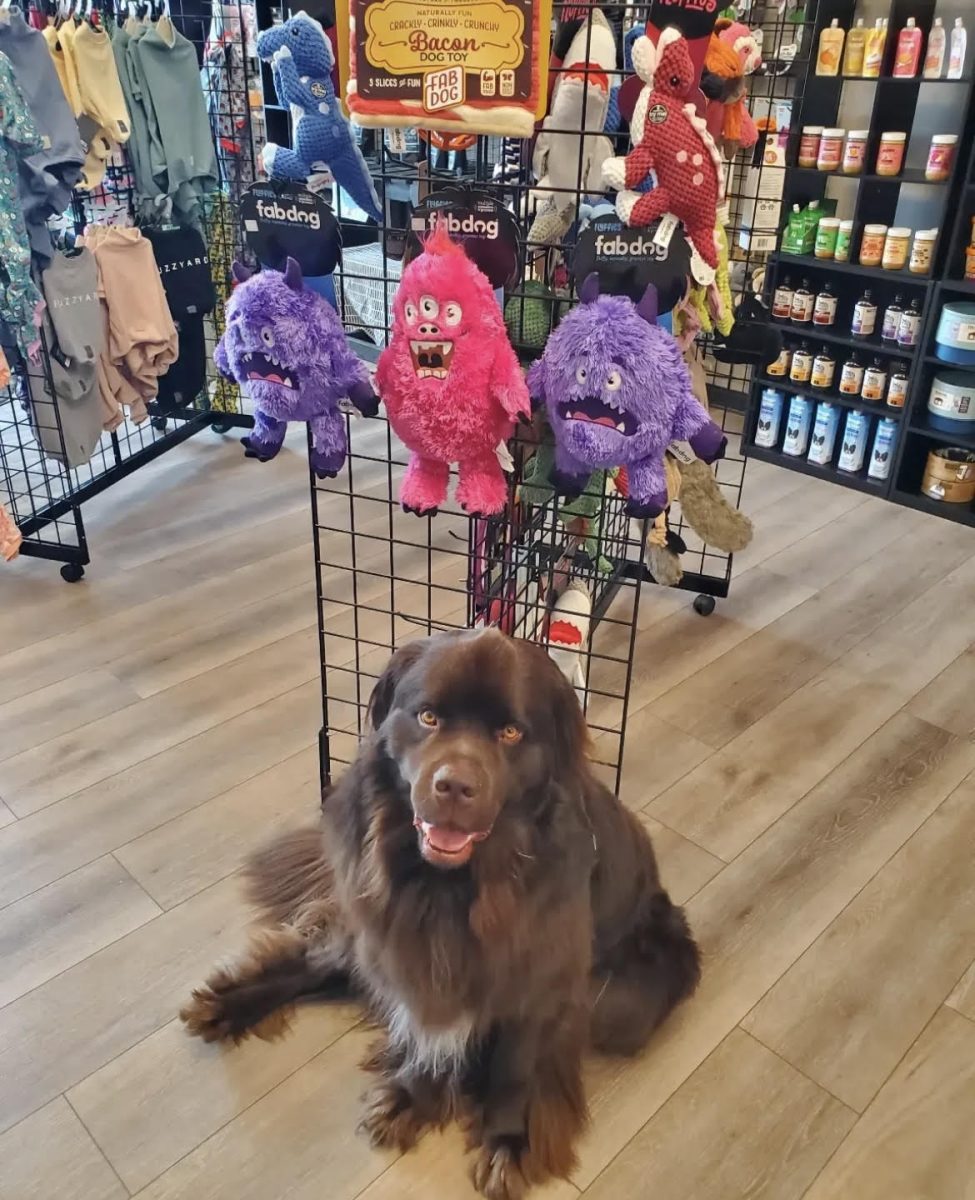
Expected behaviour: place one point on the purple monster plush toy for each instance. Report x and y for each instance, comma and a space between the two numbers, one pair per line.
617, 392
286, 344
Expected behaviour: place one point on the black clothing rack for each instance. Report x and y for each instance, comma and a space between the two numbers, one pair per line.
44, 496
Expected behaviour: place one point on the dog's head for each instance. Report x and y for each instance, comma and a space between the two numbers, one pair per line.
479, 727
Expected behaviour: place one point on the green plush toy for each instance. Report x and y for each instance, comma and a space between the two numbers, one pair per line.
536, 489
532, 313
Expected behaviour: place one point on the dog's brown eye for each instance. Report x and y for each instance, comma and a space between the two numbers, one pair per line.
510, 735
427, 717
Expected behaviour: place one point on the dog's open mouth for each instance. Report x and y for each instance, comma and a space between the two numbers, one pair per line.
431, 360
445, 847
593, 411
264, 369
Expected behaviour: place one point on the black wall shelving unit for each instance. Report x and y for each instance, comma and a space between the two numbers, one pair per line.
919, 437
893, 105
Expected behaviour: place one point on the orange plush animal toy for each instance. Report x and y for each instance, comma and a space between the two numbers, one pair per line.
733, 53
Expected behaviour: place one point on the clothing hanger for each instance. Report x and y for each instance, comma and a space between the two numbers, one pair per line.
164, 24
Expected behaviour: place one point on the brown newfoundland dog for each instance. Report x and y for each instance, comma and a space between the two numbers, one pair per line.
497, 909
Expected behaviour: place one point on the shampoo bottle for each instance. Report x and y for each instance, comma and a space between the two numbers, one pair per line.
856, 43
873, 55
908, 56
959, 47
830, 49
934, 60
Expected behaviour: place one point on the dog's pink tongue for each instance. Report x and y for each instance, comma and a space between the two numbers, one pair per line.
447, 840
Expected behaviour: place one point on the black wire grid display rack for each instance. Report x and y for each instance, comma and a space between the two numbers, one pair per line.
45, 496
386, 576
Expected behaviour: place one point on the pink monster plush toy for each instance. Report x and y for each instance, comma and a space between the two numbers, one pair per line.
450, 380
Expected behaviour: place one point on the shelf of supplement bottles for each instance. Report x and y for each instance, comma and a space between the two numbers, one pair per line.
909, 81
909, 177
889, 446
802, 262
870, 345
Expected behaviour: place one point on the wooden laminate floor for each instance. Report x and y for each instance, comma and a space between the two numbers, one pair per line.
805, 759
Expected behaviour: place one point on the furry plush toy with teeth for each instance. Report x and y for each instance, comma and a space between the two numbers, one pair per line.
617, 392
450, 380
286, 344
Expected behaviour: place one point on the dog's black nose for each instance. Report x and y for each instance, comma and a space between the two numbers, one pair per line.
456, 782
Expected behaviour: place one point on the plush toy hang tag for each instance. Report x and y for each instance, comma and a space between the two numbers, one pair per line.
485, 228
396, 141
505, 461
665, 230
627, 260
682, 452
286, 220
456, 65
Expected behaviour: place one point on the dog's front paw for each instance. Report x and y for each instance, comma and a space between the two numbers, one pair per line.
220, 1012
389, 1120
497, 1172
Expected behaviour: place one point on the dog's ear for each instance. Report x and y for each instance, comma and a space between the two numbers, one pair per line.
381, 700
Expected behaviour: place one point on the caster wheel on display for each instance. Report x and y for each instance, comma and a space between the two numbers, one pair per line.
221, 426
72, 572
704, 605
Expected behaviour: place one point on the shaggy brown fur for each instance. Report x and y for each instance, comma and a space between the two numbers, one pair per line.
495, 907
709, 513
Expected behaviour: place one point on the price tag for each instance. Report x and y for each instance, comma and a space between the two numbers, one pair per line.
665, 231
506, 462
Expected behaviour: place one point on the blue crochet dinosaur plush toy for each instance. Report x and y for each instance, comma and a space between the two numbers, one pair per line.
301, 59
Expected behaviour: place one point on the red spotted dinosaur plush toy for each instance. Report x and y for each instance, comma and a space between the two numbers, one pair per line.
674, 166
